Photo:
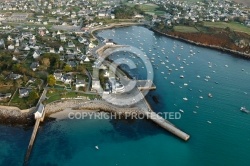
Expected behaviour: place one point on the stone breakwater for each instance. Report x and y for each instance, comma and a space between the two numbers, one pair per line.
15, 116
61, 105
105, 107
89, 105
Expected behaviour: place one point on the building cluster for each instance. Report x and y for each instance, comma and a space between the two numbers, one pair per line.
177, 12
29, 29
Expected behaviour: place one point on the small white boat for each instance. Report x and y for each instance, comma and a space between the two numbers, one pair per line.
97, 147
181, 76
181, 110
209, 122
172, 83
185, 98
243, 109
185, 84
201, 97
210, 95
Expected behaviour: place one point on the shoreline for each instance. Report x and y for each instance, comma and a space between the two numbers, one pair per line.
115, 25
67, 106
13, 116
214, 47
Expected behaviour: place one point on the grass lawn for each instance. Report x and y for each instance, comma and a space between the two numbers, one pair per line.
187, 29
88, 65
232, 25
82, 77
148, 7
191, 1
59, 83
58, 94
6, 89
59, 86
19, 102
159, 12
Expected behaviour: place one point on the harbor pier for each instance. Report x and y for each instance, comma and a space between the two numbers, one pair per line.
136, 94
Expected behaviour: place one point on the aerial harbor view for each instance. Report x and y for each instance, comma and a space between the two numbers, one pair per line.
124, 82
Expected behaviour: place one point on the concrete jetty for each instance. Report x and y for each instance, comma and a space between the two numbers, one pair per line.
32, 140
39, 116
166, 125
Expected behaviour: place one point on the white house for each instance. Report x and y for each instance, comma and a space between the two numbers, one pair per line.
106, 74
86, 59
9, 38
82, 40
80, 83
61, 49
63, 38
40, 111
11, 47
58, 76
27, 48
23, 92
67, 79
36, 54
139, 16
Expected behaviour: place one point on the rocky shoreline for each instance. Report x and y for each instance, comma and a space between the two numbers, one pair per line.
15, 116
236, 53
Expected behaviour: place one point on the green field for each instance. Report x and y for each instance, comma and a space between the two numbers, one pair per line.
232, 25
186, 29
58, 94
192, 1
149, 9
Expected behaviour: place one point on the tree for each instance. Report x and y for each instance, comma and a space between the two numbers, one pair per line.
33, 96
46, 62
82, 69
51, 80
67, 68
228, 29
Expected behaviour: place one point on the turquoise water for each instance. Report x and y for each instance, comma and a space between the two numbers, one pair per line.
226, 141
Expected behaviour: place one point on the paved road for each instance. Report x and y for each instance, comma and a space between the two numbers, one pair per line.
90, 81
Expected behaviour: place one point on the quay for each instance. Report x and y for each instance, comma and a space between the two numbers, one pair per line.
32, 140
166, 125
39, 116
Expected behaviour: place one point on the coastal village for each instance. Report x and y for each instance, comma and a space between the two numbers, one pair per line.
51, 59
49, 44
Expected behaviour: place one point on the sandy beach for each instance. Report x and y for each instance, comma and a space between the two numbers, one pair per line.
64, 114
